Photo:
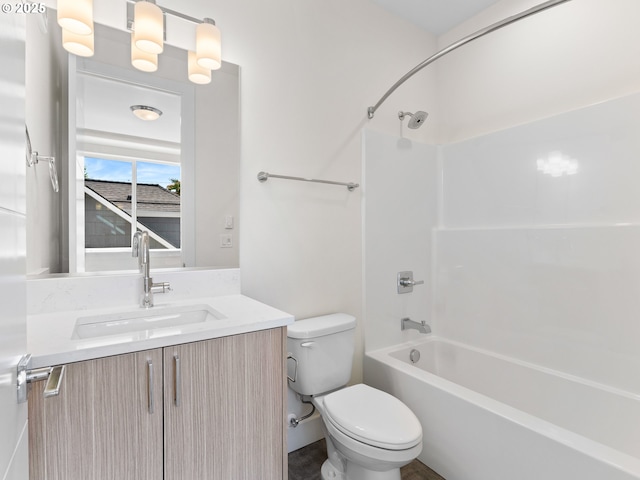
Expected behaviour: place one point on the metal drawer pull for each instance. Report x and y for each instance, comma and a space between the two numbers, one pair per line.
54, 382
176, 379
150, 385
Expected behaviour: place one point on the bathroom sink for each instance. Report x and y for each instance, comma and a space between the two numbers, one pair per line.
143, 320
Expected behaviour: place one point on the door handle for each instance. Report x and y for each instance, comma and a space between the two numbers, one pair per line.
25, 376
54, 382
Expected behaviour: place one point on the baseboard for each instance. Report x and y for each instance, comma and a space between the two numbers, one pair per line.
307, 432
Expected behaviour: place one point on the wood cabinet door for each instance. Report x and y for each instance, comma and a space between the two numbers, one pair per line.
101, 425
224, 408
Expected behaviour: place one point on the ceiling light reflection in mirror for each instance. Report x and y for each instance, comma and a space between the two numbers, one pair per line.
146, 112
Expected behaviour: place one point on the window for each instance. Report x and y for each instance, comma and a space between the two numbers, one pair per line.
121, 194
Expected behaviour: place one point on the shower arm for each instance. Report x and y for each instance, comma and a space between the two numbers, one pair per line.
480, 33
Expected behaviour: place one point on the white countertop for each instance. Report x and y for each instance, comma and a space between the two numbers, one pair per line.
50, 335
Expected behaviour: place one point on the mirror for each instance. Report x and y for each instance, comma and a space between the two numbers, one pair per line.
182, 171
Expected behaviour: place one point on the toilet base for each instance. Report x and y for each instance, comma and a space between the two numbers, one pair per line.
350, 459
356, 472
329, 472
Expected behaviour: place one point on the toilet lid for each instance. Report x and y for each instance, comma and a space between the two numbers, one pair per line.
373, 417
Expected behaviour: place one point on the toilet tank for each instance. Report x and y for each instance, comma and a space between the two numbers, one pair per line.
323, 350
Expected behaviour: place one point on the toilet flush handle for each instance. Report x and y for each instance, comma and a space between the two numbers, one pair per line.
295, 372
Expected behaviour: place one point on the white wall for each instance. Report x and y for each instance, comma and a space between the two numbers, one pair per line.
575, 54
217, 170
400, 194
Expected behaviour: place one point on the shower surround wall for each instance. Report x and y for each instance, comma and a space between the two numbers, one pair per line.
544, 266
535, 261
400, 199
521, 259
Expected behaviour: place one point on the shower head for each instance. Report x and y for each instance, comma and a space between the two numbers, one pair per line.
416, 120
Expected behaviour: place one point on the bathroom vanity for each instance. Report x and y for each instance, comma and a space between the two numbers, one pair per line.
192, 401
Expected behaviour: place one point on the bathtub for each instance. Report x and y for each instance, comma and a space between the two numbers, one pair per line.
490, 417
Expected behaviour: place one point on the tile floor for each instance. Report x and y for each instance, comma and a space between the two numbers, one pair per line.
304, 464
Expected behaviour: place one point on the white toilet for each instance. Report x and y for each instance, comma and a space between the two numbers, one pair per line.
370, 434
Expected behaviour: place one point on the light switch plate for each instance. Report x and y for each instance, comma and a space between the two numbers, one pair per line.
226, 240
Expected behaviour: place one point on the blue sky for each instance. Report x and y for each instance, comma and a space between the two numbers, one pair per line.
156, 173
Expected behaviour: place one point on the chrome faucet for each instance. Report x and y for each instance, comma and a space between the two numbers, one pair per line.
140, 249
406, 324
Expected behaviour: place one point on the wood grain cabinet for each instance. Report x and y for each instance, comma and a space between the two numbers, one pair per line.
207, 410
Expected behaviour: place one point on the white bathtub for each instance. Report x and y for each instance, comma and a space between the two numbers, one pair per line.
490, 417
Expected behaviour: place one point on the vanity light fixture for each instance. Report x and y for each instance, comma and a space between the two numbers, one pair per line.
148, 31
143, 61
208, 45
81, 45
76, 19
76, 16
207, 40
145, 112
197, 73
146, 21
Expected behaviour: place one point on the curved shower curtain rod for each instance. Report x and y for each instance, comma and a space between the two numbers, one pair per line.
491, 28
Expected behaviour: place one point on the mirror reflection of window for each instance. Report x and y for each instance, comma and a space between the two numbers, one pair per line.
133, 166
107, 193
114, 208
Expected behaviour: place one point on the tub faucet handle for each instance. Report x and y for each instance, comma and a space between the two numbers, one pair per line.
406, 282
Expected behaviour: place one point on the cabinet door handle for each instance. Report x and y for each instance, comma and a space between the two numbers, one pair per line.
150, 385
176, 379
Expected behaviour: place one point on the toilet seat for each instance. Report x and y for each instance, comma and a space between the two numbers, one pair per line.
372, 417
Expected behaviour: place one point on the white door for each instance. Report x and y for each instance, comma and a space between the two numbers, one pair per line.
13, 323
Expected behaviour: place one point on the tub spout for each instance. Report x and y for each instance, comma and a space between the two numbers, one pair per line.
406, 324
